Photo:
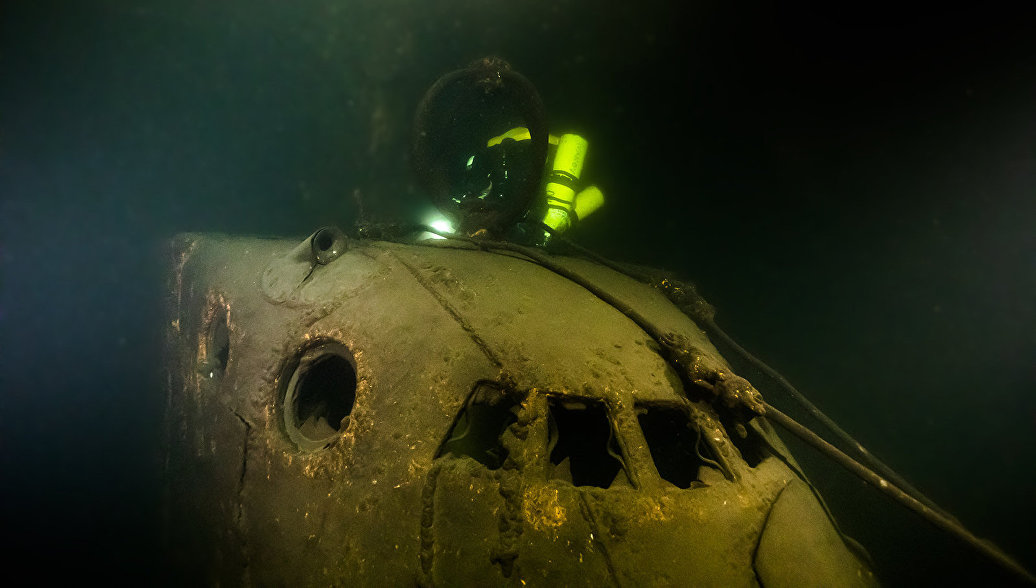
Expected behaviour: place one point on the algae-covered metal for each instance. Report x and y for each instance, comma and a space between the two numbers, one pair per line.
435, 414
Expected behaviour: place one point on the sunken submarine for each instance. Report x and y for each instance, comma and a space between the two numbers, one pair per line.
395, 409
366, 412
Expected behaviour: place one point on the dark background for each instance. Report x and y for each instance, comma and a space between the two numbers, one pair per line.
855, 189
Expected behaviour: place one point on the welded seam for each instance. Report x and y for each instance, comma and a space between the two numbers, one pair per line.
762, 530
427, 533
511, 527
597, 537
244, 466
795, 469
246, 572
465, 325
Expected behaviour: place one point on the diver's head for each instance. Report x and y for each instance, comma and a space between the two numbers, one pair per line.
488, 190
463, 155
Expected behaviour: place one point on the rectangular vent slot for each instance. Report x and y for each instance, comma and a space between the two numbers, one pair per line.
582, 444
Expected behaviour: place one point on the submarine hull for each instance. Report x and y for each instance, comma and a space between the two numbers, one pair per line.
435, 414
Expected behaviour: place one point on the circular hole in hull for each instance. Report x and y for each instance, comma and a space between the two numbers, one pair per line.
319, 395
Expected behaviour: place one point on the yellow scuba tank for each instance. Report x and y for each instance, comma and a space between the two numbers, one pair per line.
564, 204
563, 181
587, 201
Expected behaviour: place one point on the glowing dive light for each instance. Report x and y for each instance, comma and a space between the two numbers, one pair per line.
437, 222
442, 225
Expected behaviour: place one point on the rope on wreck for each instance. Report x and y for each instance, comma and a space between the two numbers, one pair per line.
934, 517
813, 410
738, 393
545, 261
686, 297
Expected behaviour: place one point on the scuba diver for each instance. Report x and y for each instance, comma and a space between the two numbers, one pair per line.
482, 151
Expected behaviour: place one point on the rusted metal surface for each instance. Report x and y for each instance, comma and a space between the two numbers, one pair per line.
415, 485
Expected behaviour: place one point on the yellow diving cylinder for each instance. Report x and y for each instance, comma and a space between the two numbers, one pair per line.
563, 181
587, 201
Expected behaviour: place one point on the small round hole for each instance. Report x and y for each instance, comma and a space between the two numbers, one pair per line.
320, 395
324, 240
220, 342
328, 244
215, 351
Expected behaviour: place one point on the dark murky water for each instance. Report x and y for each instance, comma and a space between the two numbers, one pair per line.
854, 191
